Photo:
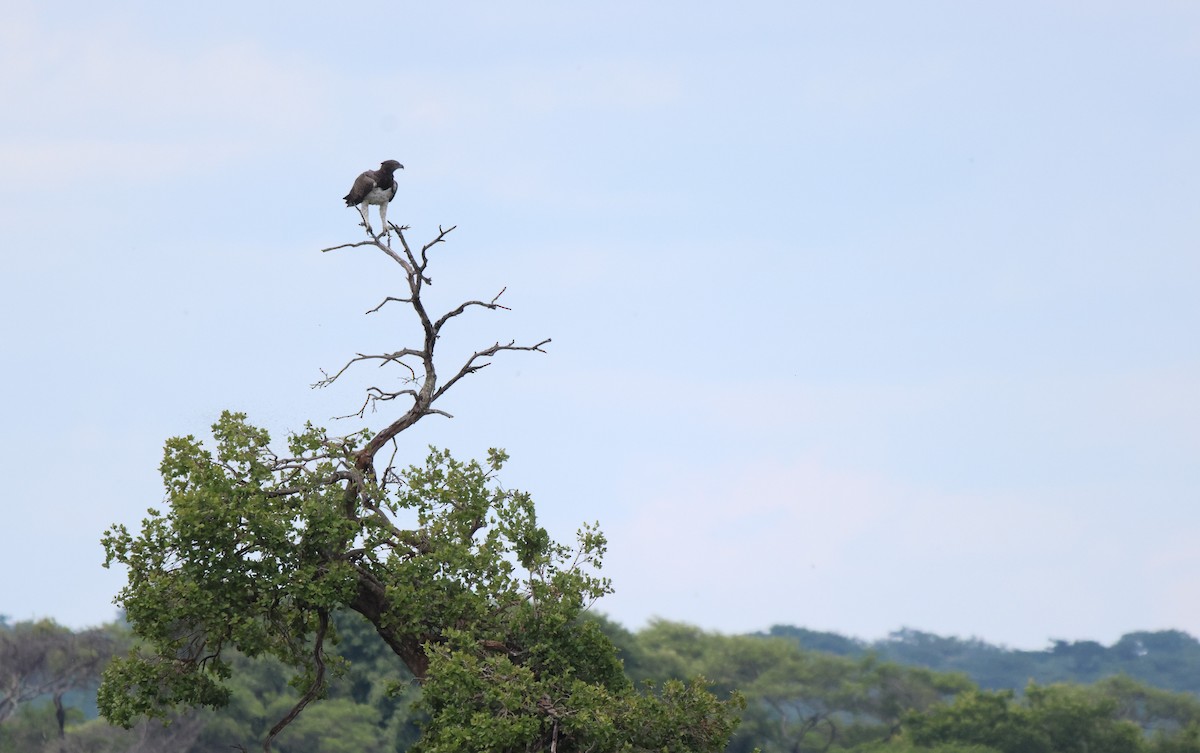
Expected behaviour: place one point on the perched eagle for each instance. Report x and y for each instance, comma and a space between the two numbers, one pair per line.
376, 187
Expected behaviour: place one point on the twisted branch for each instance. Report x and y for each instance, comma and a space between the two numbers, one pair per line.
318, 683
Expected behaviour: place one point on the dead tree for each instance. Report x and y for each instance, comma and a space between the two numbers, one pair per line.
417, 363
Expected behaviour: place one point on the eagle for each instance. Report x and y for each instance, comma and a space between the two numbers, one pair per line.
376, 187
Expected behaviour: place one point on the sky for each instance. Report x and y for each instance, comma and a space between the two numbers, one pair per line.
864, 315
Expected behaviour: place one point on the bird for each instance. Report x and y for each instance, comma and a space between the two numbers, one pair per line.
376, 187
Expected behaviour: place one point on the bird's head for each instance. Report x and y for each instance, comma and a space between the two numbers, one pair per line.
391, 166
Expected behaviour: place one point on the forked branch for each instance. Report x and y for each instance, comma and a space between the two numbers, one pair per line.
420, 378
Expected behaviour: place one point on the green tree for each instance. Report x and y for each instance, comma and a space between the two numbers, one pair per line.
1167, 659
33, 727
1050, 719
334, 726
890, 691
44, 659
985, 718
1186, 740
259, 548
177, 734
1153, 709
796, 700
1077, 719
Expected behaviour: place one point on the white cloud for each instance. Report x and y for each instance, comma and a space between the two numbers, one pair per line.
115, 104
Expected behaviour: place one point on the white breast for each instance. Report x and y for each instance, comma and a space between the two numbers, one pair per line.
379, 195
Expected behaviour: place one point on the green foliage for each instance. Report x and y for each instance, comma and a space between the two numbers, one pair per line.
45, 663
1152, 709
815, 640
482, 564
243, 594
1186, 740
981, 718
255, 551
1167, 659
333, 726
1050, 719
1106, 714
236, 561
32, 727
518, 709
796, 700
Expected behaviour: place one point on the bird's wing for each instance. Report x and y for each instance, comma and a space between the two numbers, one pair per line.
362, 186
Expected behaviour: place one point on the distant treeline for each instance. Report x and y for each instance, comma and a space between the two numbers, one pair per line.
804, 692
1166, 659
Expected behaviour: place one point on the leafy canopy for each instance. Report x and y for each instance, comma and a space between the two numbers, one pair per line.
255, 550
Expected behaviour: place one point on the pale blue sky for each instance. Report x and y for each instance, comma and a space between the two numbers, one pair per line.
865, 315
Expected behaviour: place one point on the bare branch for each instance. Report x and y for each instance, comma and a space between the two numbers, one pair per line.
386, 358
382, 396
471, 366
378, 240
418, 360
389, 299
362, 410
415, 269
349, 245
389, 474
441, 238
437, 326
376, 395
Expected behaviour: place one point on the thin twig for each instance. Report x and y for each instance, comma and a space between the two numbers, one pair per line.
385, 357
389, 299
